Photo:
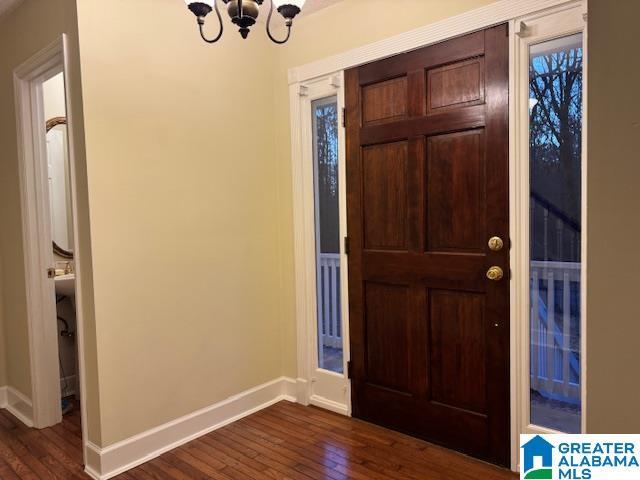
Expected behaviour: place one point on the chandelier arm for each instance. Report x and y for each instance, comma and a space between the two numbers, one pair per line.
201, 25
273, 39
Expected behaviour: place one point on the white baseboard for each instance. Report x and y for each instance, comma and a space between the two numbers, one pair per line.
107, 462
17, 404
329, 405
302, 391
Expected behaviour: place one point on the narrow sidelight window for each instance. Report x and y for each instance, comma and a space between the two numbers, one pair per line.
555, 156
325, 159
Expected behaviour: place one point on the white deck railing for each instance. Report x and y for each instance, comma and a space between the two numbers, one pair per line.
330, 326
555, 363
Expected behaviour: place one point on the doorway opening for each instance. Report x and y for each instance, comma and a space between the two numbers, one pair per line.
62, 235
50, 238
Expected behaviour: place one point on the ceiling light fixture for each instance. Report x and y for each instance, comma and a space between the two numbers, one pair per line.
244, 14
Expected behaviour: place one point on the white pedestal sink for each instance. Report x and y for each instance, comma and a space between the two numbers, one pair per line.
66, 285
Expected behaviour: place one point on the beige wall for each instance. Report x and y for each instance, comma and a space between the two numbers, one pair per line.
198, 297
190, 209
183, 199
32, 26
336, 29
3, 353
190, 199
613, 261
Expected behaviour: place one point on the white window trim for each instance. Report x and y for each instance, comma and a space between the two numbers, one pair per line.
315, 386
514, 12
530, 30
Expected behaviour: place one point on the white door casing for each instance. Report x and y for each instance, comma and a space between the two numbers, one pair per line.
36, 229
317, 386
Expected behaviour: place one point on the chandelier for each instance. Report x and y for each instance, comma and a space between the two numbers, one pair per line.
244, 14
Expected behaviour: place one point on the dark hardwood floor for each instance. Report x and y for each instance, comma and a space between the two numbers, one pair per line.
284, 441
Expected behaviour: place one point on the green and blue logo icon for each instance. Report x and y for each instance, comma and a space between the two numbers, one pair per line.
562, 456
537, 459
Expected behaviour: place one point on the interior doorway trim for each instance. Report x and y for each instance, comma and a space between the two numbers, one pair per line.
38, 253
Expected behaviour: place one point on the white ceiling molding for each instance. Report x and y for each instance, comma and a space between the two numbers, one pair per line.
473, 20
7, 5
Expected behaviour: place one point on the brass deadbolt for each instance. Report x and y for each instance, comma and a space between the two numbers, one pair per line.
496, 244
495, 274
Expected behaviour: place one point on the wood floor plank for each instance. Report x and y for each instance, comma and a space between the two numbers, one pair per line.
373, 470
238, 460
74, 452
28, 455
192, 458
6, 472
283, 442
266, 456
293, 454
200, 452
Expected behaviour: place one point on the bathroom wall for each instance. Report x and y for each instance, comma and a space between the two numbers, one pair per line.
26, 30
53, 96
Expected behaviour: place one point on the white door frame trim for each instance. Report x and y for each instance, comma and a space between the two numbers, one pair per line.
495, 13
529, 30
38, 254
316, 386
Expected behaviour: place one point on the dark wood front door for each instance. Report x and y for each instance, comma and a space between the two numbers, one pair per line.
427, 183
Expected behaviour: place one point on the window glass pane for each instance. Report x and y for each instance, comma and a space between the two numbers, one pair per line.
555, 146
325, 153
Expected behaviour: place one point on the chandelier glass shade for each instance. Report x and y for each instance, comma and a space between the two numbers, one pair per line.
244, 14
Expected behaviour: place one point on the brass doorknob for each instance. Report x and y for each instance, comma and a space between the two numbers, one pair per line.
495, 274
496, 244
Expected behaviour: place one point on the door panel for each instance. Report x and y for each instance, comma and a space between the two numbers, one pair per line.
385, 195
385, 101
427, 186
458, 350
455, 192
388, 336
456, 85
